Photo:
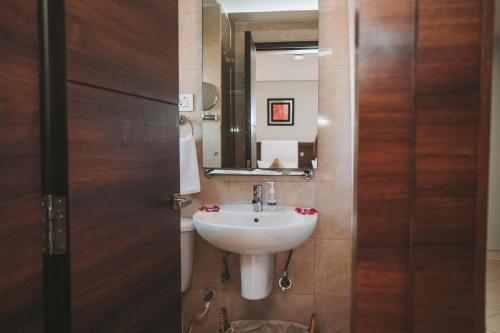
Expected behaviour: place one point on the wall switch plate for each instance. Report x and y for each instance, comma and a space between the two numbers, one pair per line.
186, 102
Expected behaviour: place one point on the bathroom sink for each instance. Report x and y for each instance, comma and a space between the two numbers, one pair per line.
238, 229
256, 236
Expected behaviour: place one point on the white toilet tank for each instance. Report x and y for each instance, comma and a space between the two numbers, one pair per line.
187, 252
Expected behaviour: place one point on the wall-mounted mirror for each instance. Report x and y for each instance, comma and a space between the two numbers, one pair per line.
262, 59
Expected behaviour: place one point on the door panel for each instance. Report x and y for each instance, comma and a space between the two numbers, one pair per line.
21, 269
128, 46
385, 166
448, 80
124, 237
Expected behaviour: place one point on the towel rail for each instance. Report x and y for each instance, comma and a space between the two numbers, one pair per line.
183, 120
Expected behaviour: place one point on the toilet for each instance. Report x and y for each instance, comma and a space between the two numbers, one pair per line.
187, 252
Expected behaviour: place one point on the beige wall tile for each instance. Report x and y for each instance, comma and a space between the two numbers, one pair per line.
335, 210
301, 270
193, 305
189, 6
207, 267
334, 33
330, 3
334, 155
240, 192
213, 191
332, 313
294, 194
334, 99
332, 267
234, 285
288, 307
190, 53
260, 36
304, 34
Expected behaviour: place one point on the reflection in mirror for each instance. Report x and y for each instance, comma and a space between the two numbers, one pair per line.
261, 60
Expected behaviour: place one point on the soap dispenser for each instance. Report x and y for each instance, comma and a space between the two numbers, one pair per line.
272, 202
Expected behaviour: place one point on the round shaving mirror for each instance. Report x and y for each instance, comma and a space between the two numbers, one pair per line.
210, 96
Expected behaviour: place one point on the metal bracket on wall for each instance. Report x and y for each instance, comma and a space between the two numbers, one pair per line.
55, 240
211, 117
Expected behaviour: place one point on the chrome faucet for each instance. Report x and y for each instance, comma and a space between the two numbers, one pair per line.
257, 198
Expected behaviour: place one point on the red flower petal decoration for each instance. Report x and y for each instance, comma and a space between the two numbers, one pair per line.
212, 209
306, 211
313, 211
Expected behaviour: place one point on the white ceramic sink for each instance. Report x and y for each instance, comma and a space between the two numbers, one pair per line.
238, 229
256, 236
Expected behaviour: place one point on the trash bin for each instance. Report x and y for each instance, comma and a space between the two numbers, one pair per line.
263, 326
266, 326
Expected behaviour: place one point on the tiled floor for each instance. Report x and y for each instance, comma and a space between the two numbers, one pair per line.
493, 292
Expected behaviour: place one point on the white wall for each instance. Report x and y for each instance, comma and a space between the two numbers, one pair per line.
306, 110
494, 188
280, 76
279, 66
245, 6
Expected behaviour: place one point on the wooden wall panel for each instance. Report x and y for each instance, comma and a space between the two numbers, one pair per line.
21, 258
424, 73
117, 45
124, 235
385, 165
448, 73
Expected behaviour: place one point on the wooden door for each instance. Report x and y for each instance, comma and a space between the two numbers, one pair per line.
250, 99
21, 258
126, 46
124, 235
122, 113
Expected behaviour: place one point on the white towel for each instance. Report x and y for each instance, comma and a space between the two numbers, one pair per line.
190, 176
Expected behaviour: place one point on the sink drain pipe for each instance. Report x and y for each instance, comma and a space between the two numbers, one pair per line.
226, 273
285, 282
208, 296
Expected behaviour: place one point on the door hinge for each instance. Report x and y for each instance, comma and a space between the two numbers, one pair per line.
55, 233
